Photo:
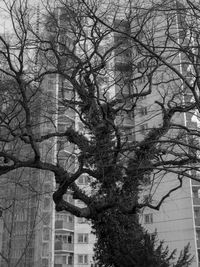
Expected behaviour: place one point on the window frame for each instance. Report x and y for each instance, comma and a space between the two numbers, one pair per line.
148, 218
143, 128
82, 238
84, 258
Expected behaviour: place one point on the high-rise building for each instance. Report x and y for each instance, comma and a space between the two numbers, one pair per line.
60, 239
177, 221
73, 240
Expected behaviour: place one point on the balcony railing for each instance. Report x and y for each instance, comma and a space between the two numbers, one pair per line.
64, 225
64, 246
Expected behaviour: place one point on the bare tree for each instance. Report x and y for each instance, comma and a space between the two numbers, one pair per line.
73, 92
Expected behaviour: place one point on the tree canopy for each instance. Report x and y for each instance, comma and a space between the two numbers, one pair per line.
106, 91
76, 79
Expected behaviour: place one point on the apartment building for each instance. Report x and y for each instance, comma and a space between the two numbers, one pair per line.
177, 221
61, 239
73, 240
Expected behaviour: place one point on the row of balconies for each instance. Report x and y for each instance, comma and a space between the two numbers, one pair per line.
66, 244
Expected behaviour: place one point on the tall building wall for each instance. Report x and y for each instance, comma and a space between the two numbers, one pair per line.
21, 194
176, 222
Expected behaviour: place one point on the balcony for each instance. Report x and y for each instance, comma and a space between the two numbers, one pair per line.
198, 243
128, 121
196, 182
64, 246
197, 221
196, 201
62, 225
122, 65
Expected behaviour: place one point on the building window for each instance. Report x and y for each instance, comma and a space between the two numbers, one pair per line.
46, 218
45, 249
60, 216
146, 198
198, 254
46, 204
130, 114
82, 220
196, 212
64, 217
197, 235
60, 259
146, 178
68, 238
143, 64
143, 97
16, 253
21, 215
45, 262
47, 188
152, 236
143, 128
70, 218
64, 259
141, 80
82, 259
30, 252
80, 202
68, 197
143, 111
70, 259
82, 238
83, 179
128, 134
148, 218
46, 234
51, 85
